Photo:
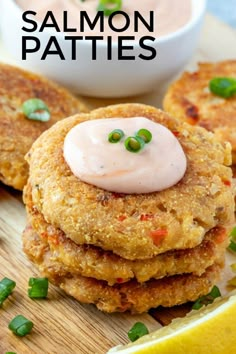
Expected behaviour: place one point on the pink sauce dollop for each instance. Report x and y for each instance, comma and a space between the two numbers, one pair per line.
110, 166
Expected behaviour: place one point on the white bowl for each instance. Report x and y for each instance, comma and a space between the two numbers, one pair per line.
101, 77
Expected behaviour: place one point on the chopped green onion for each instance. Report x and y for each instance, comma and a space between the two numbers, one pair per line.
207, 299
39, 288
233, 267
6, 287
10, 353
134, 143
137, 331
232, 281
232, 246
115, 136
223, 86
233, 233
109, 6
36, 109
8, 283
145, 134
20, 326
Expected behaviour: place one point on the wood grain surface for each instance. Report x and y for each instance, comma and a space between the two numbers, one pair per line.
61, 324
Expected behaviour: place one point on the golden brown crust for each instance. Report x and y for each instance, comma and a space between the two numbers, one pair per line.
17, 133
203, 199
90, 261
190, 100
132, 296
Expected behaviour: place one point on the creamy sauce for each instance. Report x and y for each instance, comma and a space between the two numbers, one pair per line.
93, 159
170, 15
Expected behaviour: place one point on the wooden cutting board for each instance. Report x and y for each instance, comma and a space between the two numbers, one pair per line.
62, 325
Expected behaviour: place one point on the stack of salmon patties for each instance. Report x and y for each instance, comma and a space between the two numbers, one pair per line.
130, 251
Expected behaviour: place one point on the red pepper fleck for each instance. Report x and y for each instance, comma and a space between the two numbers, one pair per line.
122, 217
145, 217
227, 183
221, 234
43, 235
192, 112
158, 235
176, 133
119, 280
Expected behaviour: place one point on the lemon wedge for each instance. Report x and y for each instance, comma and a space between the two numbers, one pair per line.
210, 330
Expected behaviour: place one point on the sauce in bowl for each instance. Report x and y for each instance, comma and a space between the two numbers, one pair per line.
169, 15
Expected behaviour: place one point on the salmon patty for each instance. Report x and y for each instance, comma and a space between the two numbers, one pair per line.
189, 99
91, 261
132, 296
130, 225
17, 133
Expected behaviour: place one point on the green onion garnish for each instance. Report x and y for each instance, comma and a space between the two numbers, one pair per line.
36, 109
115, 136
10, 353
39, 288
109, 6
145, 134
233, 232
233, 267
232, 235
138, 330
232, 281
232, 246
20, 326
6, 287
207, 299
223, 86
134, 143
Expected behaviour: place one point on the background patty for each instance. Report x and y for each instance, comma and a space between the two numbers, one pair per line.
17, 133
190, 100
